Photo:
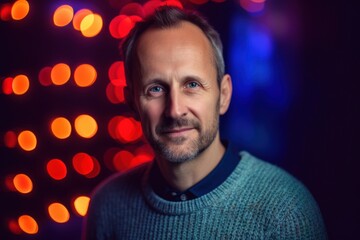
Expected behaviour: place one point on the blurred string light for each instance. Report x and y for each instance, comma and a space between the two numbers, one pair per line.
27, 140
20, 84
60, 74
23, 183
56, 169
81, 204
85, 126
58, 212
84, 20
61, 128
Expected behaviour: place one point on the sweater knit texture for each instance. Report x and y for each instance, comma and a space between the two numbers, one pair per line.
257, 201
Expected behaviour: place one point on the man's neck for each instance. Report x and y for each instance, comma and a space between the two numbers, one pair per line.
182, 176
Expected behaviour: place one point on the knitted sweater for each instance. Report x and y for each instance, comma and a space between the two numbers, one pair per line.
257, 201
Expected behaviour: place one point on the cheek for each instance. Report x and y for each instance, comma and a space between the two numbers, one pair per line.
150, 114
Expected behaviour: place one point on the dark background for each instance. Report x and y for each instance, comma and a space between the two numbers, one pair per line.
316, 134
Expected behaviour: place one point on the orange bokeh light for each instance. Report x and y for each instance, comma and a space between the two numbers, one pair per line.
10, 139
58, 212
85, 126
81, 205
85, 75
7, 86
63, 15
23, 183
27, 140
56, 169
79, 16
45, 76
20, 9
83, 163
28, 224
60, 74
61, 127
91, 25
20, 84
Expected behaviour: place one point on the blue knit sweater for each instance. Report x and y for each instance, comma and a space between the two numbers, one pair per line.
257, 201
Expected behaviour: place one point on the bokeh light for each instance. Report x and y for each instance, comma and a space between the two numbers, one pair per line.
115, 94
56, 169
132, 9
122, 160
20, 84
7, 86
23, 183
79, 16
91, 25
20, 9
58, 212
63, 15
83, 163
10, 139
85, 75
128, 130
253, 6
27, 140
45, 76
5, 11
28, 224
60, 74
81, 205
116, 73
121, 25
85, 126
96, 169
14, 227
9, 182
61, 127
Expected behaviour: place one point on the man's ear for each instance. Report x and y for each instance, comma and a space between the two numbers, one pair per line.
225, 93
129, 99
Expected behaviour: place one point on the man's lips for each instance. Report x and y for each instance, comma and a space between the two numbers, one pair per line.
177, 131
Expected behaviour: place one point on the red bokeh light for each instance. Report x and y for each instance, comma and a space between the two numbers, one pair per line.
83, 163
116, 73
132, 9
10, 139
5, 11
45, 76
56, 169
7, 86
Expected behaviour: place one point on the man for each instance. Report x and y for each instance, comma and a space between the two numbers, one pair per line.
196, 187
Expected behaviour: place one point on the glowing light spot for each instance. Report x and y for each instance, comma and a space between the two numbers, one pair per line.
23, 183
58, 212
60, 74
56, 169
128, 130
9, 183
45, 76
63, 15
85, 75
115, 94
10, 139
20, 9
14, 227
27, 140
85, 126
79, 16
122, 160
20, 84
252, 6
96, 169
174, 3
91, 25
150, 6
109, 156
5, 12
61, 127
121, 25
81, 205
116, 73
7, 86
28, 224
83, 163
132, 9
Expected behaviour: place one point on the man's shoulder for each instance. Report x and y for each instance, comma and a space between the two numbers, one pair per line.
116, 184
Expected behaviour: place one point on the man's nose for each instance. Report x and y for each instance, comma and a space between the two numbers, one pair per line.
175, 104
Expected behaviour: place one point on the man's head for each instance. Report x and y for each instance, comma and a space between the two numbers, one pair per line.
175, 83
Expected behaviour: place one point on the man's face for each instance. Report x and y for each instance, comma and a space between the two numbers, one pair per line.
177, 95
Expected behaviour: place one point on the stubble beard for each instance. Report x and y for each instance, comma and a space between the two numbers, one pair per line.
176, 150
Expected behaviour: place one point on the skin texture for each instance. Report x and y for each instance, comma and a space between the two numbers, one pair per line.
179, 102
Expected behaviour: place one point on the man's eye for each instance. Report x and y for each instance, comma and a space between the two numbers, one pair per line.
192, 85
155, 91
